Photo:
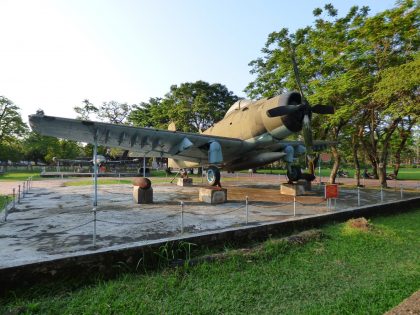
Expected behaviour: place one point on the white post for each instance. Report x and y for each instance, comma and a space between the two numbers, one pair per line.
14, 198
94, 227
294, 206
319, 169
144, 165
23, 190
18, 193
182, 217
246, 209
358, 196
401, 191
382, 194
95, 184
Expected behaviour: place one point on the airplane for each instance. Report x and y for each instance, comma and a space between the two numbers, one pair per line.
251, 134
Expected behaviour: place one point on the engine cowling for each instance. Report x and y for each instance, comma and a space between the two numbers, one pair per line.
282, 126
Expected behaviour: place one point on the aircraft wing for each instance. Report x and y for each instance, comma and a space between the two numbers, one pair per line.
151, 142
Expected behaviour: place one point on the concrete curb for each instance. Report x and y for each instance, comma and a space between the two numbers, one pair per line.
110, 261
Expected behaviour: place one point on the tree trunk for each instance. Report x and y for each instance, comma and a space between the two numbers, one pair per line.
382, 175
355, 141
404, 134
336, 164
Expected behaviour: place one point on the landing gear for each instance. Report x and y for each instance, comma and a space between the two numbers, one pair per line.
213, 176
294, 173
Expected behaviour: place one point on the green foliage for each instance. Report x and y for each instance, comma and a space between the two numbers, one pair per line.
349, 271
11, 124
12, 128
20, 175
40, 148
366, 67
113, 112
191, 106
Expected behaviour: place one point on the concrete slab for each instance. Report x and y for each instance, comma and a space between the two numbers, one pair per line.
53, 221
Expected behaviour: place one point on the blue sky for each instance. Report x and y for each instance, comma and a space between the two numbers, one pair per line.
55, 53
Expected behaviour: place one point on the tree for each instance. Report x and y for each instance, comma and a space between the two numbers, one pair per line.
320, 52
350, 63
11, 124
40, 148
191, 106
86, 110
113, 112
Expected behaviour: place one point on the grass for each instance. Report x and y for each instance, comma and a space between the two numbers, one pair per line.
403, 174
3, 201
348, 271
20, 175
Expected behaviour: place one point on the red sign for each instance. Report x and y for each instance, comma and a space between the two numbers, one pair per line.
325, 157
331, 191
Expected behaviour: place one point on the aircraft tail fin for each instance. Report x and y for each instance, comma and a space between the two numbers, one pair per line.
172, 126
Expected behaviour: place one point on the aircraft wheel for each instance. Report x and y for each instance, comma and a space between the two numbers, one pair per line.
213, 176
294, 174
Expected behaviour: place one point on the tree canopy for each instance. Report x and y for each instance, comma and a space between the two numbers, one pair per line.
366, 67
191, 106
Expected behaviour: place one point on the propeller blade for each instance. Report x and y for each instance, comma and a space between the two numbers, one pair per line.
282, 110
307, 134
296, 72
320, 109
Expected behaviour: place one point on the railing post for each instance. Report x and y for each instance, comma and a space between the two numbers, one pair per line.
14, 197
182, 217
94, 226
294, 206
23, 190
358, 196
18, 193
382, 194
246, 210
401, 191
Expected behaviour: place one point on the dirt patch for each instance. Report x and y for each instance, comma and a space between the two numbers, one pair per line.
359, 224
409, 306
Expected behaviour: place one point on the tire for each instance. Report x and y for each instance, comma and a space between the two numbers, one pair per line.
295, 174
213, 176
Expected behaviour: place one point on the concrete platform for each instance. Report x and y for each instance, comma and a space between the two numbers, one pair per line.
184, 182
54, 221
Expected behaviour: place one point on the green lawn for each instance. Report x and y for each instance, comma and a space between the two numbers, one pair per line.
403, 174
3, 201
20, 175
348, 271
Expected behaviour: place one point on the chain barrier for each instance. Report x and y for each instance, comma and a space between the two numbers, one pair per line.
310, 204
271, 207
75, 227
214, 214
133, 223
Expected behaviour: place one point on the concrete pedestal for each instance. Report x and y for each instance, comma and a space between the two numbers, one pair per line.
184, 182
213, 195
142, 196
292, 189
306, 185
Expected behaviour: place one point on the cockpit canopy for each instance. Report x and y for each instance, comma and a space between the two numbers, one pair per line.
241, 104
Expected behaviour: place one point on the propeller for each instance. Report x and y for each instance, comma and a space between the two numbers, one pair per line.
304, 107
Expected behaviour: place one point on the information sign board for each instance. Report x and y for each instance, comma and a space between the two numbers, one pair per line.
331, 191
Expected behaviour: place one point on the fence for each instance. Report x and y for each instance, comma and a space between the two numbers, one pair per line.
17, 195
